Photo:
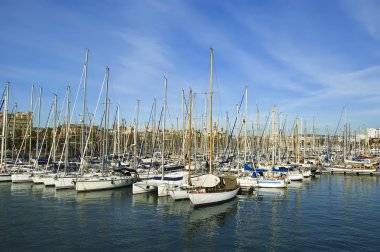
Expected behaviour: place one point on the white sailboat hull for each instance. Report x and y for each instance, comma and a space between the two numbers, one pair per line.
248, 182
145, 186
306, 174
179, 194
166, 186
271, 183
295, 176
37, 179
64, 183
349, 170
203, 198
102, 183
49, 180
21, 177
5, 177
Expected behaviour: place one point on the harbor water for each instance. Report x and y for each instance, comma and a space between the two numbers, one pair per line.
326, 213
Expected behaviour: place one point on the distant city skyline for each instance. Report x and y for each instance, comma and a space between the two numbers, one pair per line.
307, 58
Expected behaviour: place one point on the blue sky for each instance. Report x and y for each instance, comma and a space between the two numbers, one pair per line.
308, 58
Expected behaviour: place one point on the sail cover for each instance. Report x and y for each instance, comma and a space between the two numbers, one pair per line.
208, 180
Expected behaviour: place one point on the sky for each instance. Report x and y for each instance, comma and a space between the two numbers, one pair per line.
309, 59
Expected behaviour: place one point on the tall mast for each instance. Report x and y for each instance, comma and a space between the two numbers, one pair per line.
195, 130
304, 140
31, 122
183, 127
38, 125
211, 133
296, 142
258, 135
13, 130
4, 133
106, 121
313, 140
345, 136
245, 125
67, 129
163, 130
273, 140
280, 132
84, 105
238, 136
135, 132
153, 124
189, 136
54, 126
118, 132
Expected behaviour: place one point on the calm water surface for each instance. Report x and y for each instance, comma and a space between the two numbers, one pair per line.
328, 213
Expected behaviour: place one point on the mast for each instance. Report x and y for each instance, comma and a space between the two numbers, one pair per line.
38, 126
84, 105
67, 130
105, 159
195, 130
189, 136
54, 126
163, 130
258, 135
304, 141
118, 132
296, 142
135, 132
183, 127
13, 130
279, 137
31, 122
273, 140
211, 133
154, 124
245, 125
345, 136
313, 141
3, 155
237, 137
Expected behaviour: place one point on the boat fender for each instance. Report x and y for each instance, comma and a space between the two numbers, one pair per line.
112, 182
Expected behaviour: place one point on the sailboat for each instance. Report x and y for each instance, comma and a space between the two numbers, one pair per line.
211, 189
66, 180
107, 179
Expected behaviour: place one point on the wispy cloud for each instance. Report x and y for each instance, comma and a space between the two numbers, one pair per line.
366, 13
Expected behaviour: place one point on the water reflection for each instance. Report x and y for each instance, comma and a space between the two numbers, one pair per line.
65, 194
276, 193
145, 199
295, 185
211, 217
18, 187
100, 196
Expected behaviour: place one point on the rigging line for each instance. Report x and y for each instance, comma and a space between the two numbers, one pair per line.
2, 98
340, 119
